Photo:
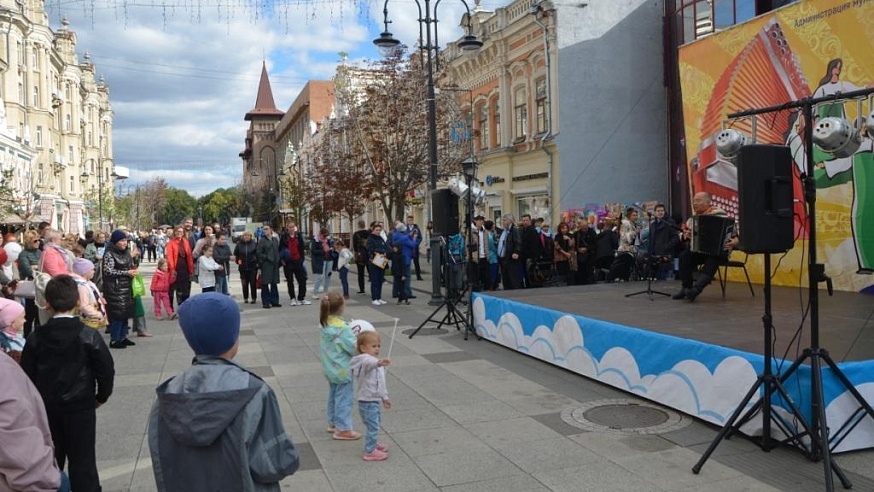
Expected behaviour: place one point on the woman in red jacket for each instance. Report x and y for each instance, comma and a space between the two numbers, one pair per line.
181, 262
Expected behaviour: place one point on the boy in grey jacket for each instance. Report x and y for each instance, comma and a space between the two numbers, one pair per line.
217, 426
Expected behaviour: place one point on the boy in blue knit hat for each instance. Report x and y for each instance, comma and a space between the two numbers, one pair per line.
217, 426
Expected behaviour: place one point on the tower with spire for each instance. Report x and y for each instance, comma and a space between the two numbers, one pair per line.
260, 154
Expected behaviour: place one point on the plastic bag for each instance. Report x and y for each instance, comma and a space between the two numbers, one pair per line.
138, 286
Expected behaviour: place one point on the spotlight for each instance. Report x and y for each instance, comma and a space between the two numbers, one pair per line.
729, 143
837, 136
457, 187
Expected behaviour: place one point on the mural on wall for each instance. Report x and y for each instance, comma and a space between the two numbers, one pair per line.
812, 48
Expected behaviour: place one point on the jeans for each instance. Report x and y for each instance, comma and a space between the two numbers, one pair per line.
118, 330
339, 409
369, 411
324, 275
344, 280
408, 282
377, 276
295, 271
269, 294
221, 284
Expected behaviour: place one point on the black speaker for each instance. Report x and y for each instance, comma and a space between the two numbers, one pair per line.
445, 212
764, 189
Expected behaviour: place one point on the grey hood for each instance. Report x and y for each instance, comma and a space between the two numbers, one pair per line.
199, 418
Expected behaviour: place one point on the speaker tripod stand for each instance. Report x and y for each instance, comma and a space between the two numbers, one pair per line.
769, 384
450, 303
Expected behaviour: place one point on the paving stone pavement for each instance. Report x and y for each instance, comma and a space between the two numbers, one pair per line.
468, 416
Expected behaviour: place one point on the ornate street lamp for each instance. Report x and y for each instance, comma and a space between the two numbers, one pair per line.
386, 44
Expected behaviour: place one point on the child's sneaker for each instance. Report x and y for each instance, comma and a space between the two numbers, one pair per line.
382, 447
349, 435
174, 316
160, 318
375, 455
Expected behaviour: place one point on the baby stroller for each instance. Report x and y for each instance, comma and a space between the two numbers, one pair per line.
542, 273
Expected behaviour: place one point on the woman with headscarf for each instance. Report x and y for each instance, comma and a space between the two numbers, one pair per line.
118, 272
181, 263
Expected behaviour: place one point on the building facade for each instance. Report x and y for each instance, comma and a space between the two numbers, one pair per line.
511, 103
56, 111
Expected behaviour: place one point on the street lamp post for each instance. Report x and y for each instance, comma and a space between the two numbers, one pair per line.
84, 178
386, 44
469, 168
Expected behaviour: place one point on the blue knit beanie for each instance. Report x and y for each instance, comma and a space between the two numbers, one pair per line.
210, 323
117, 236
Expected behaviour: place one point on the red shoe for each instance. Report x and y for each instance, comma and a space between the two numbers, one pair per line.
375, 455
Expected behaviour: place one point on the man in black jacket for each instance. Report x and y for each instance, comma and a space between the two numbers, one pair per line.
359, 249
71, 367
664, 236
510, 253
292, 251
586, 245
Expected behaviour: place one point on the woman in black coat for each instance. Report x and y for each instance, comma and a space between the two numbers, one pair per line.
118, 271
376, 245
247, 259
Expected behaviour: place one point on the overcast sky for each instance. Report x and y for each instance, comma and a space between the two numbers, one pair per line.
183, 74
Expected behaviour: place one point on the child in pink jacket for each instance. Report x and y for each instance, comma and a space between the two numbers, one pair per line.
161, 290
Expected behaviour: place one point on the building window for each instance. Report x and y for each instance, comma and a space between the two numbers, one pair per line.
21, 99
70, 155
34, 58
68, 123
497, 121
90, 139
540, 101
36, 96
484, 127
39, 136
520, 112
20, 51
72, 184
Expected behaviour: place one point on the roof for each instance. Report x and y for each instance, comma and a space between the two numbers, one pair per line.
264, 104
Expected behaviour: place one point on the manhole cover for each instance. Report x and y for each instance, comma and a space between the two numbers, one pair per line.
424, 332
624, 416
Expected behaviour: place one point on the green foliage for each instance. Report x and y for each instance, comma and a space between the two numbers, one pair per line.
222, 204
178, 204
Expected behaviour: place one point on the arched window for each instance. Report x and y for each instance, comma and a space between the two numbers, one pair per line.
540, 102
484, 139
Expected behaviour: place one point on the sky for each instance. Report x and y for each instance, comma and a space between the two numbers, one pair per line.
182, 74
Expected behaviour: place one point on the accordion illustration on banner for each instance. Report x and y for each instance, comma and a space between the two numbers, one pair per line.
765, 73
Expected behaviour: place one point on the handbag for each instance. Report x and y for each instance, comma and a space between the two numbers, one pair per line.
25, 289
40, 281
258, 281
138, 286
379, 260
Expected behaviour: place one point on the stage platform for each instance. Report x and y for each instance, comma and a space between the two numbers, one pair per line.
700, 358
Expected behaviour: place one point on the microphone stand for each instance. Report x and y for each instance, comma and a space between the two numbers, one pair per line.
651, 264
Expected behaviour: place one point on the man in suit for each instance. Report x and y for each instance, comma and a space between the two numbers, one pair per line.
510, 253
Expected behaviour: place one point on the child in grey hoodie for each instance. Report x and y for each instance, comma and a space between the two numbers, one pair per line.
368, 372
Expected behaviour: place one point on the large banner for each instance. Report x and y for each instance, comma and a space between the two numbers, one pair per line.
812, 48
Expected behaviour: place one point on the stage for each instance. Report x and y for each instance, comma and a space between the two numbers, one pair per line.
699, 358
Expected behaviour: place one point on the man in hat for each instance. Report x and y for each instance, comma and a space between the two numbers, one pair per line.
217, 426
479, 255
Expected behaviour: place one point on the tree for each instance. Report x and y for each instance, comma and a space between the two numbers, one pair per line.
178, 205
388, 126
346, 184
222, 204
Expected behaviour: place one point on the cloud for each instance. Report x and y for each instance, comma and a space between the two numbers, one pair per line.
182, 77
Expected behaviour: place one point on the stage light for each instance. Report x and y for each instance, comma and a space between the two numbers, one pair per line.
458, 187
837, 136
478, 195
729, 142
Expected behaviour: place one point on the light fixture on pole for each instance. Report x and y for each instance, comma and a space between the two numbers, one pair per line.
386, 44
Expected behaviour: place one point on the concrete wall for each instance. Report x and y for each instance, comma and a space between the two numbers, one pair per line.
613, 135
